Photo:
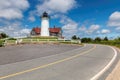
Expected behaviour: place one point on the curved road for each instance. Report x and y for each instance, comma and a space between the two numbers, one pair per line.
55, 62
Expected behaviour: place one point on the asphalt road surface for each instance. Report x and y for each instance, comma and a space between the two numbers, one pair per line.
54, 62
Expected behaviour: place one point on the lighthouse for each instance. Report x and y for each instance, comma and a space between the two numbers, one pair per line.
45, 24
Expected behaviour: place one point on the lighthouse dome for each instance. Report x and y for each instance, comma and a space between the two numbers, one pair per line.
45, 14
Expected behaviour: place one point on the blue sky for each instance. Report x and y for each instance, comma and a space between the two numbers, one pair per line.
84, 18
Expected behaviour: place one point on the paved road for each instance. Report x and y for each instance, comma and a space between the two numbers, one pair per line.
53, 62
12, 54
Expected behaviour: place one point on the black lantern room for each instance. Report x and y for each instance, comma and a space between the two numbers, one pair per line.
45, 14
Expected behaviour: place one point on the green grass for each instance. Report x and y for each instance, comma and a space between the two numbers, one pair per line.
11, 41
36, 40
1, 43
39, 37
110, 42
39, 40
69, 42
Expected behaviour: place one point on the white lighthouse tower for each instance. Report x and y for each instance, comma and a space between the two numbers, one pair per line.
45, 24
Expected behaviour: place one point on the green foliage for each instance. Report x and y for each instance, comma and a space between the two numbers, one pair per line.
74, 37
78, 38
12, 39
3, 35
105, 39
1, 43
97, 39
110, 42
117, 39
86, 40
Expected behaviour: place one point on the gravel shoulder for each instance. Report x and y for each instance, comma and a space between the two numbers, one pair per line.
115, 74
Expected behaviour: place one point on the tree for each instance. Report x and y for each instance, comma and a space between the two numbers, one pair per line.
3, 35
78, 38
97, 39
0, 36
74, 37
119, 38
105, 39
86, 40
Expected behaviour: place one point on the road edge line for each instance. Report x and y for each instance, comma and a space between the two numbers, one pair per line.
106, 67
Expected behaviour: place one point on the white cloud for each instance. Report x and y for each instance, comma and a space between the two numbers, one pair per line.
15, 30
25, 31
7, 14
56, 16
115, 16
82, 28
32, 18
118, 28
90, 31
105, 31
12, 9
114, 19
70, 28
53, 6
93, 28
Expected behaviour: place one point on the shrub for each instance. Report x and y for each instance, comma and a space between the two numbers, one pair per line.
12, 39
